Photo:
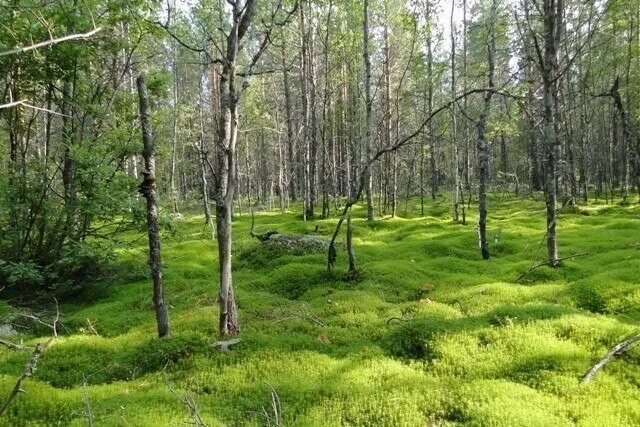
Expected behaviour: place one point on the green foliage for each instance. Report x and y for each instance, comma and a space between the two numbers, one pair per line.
24, 274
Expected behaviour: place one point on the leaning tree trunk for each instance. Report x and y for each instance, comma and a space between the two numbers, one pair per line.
148, 189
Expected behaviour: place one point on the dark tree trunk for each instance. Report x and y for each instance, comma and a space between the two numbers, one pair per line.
549, 70
482, 147
148, 189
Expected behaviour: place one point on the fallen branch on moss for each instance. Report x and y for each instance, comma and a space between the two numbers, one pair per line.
14, 346
224, 345
396, 319
29, 369
617, 350
558, 262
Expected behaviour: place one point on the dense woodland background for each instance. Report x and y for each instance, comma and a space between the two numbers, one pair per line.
306, 108
310, 115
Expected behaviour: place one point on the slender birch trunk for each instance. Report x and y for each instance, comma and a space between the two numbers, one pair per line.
148, 189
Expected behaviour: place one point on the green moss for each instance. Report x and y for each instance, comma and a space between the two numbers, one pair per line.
430, 334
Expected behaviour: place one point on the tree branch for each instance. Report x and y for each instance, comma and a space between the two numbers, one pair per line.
24, 49
615, 351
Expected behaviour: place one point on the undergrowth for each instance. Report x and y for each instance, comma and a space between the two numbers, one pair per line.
428, 334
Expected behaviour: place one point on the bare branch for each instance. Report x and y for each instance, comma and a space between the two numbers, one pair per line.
29, 369
14, 346
25, 104
187, 400
82, 36
615, 351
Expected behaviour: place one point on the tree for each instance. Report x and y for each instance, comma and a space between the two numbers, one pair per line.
148, 189
225, 184
481, 125
368, 106
230, 93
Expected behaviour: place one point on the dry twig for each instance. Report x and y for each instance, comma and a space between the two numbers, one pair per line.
542, 264
188, 401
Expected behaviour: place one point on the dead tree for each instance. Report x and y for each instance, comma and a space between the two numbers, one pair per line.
148, 189
398, 143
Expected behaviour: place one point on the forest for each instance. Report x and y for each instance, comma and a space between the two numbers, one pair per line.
320, 212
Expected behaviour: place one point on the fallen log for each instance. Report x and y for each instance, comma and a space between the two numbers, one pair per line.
224, 345
14, 346
617, 350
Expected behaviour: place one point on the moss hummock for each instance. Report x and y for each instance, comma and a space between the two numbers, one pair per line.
429, 333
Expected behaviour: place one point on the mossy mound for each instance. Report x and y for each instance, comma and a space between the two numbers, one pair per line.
430, 334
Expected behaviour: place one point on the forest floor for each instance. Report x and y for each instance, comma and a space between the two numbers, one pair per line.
429, 334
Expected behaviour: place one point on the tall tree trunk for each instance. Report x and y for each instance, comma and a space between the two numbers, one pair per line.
313, 141
549, 70
282, 192
304, 85
466, 158
455, 194
327, 135
290, 167
433, 167
387, 118
202, 157
174, 136
482, 147
148, 190
225, 182
368, 106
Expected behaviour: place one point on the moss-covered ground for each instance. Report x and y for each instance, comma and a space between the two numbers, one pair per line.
429, 333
